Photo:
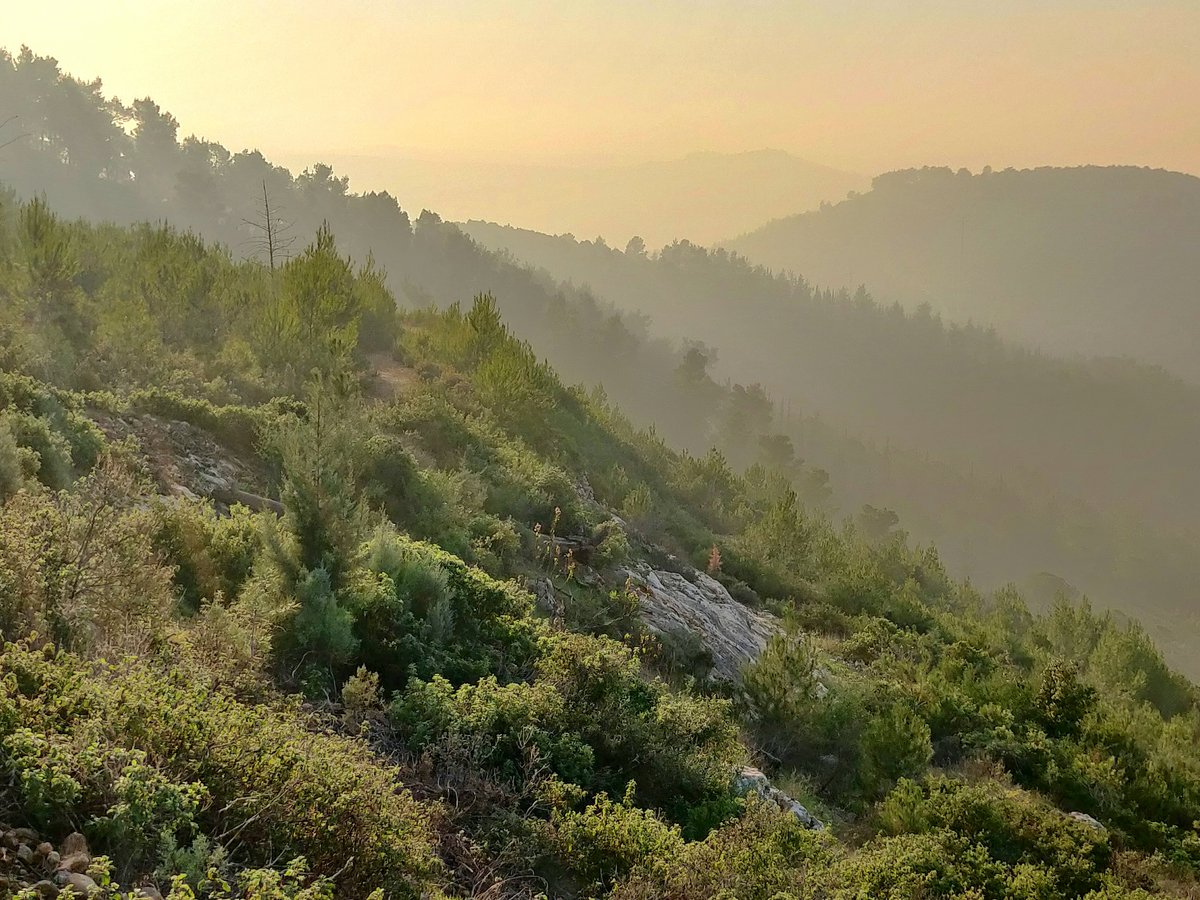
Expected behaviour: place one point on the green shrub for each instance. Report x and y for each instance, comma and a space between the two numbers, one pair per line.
514, 730
764, 854
1016, 830
212, 555
428, 613
607, 840
12, 470
238, 427
200, 756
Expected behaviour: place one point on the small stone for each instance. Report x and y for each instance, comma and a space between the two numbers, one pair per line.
25, 854
44, 849
46, 889
11, 840
75, 862
28, 835
52, 859
75, 843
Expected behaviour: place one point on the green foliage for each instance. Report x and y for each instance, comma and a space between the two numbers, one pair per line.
895, 744
1062, 701
212, 555
585, 718
79, 566
427, 613
192, 758
608, 840
182, 754
763, 855
1014, 829
12, 470
311, 324
515, 730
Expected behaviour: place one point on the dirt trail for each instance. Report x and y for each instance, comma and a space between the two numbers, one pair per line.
391, 378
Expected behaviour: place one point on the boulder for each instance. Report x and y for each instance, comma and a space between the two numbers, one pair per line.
669, 603
1090, 821
74, 862
750, 780
545, 598
75, 883
75, 843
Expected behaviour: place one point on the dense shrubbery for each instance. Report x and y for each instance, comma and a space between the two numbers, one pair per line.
141, 758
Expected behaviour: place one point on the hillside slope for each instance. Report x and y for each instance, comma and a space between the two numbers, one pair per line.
1013, 461
1095, 260
435, 662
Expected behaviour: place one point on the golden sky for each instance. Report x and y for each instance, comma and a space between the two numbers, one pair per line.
860, 85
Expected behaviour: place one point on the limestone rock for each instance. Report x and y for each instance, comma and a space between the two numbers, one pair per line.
1090, 821
750, 780
734, 634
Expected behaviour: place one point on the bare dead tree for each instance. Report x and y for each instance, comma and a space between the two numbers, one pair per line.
272, 233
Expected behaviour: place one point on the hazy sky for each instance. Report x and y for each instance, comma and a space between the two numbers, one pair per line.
861, 85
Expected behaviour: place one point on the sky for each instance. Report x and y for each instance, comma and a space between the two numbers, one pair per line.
862, 86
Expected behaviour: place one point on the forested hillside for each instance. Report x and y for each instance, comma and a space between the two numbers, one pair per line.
1012, 460
1096, 260
876, 399
309, 597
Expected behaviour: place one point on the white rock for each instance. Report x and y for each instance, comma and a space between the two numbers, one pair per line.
734, 634
752, 781
1090, 821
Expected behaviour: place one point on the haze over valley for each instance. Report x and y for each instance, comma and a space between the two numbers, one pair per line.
703, 196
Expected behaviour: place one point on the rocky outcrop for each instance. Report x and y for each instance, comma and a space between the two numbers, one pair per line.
699, 604
187, 462
750, 780
1090, 821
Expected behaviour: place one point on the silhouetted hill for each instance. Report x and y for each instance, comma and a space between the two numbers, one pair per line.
1094, 259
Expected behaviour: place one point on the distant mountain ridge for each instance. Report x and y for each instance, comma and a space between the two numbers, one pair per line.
1094, 260
702, 196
